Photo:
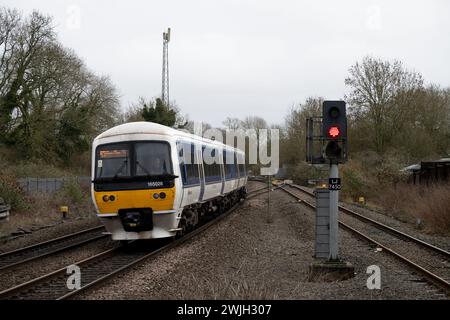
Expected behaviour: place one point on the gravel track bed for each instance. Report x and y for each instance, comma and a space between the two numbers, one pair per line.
430, 260
256, 255
40, 267
67, 227
438, 240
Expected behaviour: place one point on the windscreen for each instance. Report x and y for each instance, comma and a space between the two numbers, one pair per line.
134, 159
113, 161
152, 159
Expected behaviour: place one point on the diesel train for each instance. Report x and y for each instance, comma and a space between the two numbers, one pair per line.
151, 181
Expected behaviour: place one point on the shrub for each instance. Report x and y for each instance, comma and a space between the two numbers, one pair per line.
11, 192
354, 183
409, 203
303, 172
434, 209
71, 192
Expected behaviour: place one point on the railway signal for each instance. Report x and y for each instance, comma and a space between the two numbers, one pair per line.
329, 132
334, 121
334, 131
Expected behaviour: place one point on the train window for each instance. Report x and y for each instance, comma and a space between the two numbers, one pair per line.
212, 171
242, 172
188, 165
113, 161
241, 164
152, 159
182, 162
230, 165
236, 175
192, 171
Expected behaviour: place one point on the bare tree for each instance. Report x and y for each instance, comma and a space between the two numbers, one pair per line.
50, 103
293, 143
381, 93
232, 123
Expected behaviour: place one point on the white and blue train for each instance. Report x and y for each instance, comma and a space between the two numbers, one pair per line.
151, 181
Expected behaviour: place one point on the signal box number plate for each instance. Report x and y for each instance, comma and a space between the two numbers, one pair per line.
334, 184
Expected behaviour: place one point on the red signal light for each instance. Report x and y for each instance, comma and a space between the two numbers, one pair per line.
334, 132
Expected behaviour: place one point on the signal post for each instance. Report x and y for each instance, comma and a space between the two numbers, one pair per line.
332, 150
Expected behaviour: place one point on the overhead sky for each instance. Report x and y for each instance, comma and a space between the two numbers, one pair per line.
237, 58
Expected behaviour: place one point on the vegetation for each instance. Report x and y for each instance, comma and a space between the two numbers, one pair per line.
394, 120
427, 208
51, 105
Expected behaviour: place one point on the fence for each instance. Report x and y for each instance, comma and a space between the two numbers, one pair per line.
49, 185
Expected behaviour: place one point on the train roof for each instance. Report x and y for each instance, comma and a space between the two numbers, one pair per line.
145, 127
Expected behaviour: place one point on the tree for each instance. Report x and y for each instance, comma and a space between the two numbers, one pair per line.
158, 112
382, 92
51, 105
232, 123
21, 42
293, 143
132, 114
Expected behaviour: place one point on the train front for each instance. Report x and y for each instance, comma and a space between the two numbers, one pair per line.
133, 188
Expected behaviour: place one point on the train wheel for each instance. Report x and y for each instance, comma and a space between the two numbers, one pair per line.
183, 226
191, 219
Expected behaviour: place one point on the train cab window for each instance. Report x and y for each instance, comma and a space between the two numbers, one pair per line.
212, 170
113, 161
152, 159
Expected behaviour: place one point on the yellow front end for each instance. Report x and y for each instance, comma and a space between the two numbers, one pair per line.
161, 202
111, 202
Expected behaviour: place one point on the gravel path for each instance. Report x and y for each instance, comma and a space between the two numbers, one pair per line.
256, 255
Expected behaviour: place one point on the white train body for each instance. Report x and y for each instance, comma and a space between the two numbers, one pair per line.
147, 184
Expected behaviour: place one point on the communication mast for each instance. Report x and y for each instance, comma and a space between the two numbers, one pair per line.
165, 68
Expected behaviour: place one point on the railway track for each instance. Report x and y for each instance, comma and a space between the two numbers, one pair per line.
98, 268
428, 260
40, 250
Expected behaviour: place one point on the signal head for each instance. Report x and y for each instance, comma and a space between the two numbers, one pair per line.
334, 120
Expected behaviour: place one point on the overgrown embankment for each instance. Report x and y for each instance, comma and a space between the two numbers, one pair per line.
42, 208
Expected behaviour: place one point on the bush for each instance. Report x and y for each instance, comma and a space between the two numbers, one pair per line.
355, 184
434, 209
11, 192
71, 192
303, 172
37, 170
408, 202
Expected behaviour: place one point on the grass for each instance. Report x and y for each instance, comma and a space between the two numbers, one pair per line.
29, 210
41, 209
225, 286
410, 203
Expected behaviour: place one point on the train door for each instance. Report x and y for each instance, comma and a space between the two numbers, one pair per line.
202, 172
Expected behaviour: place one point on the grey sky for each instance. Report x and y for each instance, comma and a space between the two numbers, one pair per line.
238, 58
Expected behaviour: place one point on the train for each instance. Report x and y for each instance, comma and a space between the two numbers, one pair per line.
150, 181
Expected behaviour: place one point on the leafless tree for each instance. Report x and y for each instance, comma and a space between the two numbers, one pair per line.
382, 92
